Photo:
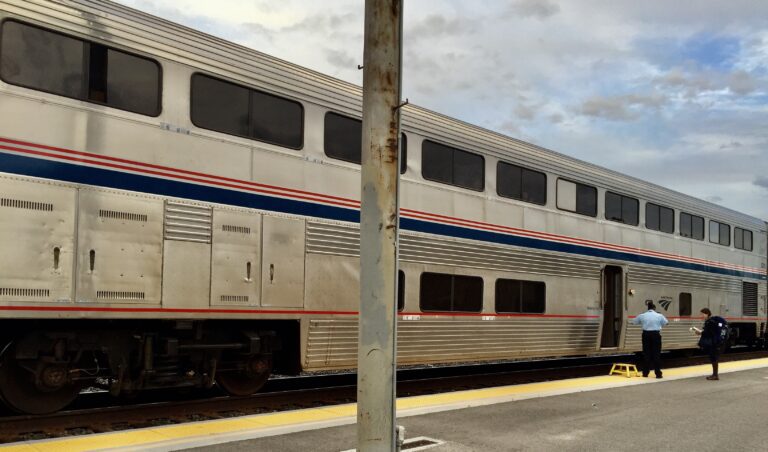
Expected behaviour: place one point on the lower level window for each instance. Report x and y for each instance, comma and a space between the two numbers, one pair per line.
518, 296
446, 292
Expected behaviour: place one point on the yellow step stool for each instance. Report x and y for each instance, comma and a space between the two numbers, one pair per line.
628, 370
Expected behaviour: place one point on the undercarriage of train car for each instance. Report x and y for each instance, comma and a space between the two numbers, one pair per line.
45, 365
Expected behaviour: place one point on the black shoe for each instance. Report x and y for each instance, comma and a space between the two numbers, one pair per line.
645, 375
659, 376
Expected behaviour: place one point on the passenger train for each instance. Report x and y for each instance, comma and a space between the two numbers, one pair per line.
177, 210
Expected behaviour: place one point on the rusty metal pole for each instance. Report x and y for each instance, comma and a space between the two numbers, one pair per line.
378, 226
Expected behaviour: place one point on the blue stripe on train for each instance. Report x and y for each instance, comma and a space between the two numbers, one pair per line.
36, 167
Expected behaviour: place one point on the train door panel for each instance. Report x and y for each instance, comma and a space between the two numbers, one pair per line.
282, 269
120, 247
236, 258
187, 255
613, 306
37, 239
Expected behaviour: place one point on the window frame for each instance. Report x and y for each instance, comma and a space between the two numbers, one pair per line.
454, 150
453, 276
622, 198
576, 201
720, 233
87, 42
522, 282
741, 232
250, 90
523, 169
659, 207
703, 226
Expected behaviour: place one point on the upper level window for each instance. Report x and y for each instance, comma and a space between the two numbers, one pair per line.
576, 197
659, 218
742, 239
621, 208
452, 166
446, 292
43, 60
516, 182
520, 296
691, 226
237, 110
719, 233
343, 140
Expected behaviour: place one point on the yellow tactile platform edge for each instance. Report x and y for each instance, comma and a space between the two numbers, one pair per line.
224, 430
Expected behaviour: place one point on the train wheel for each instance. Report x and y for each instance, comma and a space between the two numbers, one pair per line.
21, 392
246, 381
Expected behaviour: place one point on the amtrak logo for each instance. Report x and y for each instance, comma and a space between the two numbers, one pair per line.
665, 304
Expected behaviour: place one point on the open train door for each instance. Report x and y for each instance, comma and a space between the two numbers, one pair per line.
613, 306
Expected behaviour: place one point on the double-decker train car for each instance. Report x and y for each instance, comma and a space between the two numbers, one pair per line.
177, 210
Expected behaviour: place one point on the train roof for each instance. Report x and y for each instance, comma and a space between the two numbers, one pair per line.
126, 26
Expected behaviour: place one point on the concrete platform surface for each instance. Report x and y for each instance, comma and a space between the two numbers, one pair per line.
685, 414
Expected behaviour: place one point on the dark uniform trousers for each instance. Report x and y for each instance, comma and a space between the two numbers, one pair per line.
652, 352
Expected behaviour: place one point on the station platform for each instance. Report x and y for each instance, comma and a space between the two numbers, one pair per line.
681, 411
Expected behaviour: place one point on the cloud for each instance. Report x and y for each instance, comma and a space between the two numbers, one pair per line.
761, 181
538, 9
742, 83
620, 108
341, 59
714, 199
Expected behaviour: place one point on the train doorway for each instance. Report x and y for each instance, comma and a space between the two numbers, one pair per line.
613, 301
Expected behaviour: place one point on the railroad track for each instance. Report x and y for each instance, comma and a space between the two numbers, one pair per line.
96, 413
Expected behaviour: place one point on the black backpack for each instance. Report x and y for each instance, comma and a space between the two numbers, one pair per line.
721, 330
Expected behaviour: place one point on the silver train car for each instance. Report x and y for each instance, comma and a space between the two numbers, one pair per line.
177, 210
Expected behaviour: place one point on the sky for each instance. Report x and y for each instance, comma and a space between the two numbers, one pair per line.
671, 92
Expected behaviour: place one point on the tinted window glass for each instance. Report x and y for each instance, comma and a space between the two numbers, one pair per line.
400, 290
276, 120
667, 220
452, 166
748, 240
725, 234
691, 226
621, 208
219, 105
586, 200
132, 83
516, 182
403, 153
443, 292
343, 138
42, 60
51, 62
685, 304
742, 239
520, 296
652, 216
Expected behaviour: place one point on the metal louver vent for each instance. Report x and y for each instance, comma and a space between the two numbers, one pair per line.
233, 228
29, 205
188, 222
749, 298
117, 215
26, 293
235, 298
118, 295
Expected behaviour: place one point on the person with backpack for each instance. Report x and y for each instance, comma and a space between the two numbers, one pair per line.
652, 322
713, 339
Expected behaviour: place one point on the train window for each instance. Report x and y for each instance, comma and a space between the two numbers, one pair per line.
659, 218
520, 296
400, 290
621, 208
344, 140
691, 226
686, 303
452, 166
576, 197
228, 108
719, 233
516, 182
742, 239
48, 61
447, 293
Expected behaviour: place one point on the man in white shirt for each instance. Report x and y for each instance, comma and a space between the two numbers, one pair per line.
652, 323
